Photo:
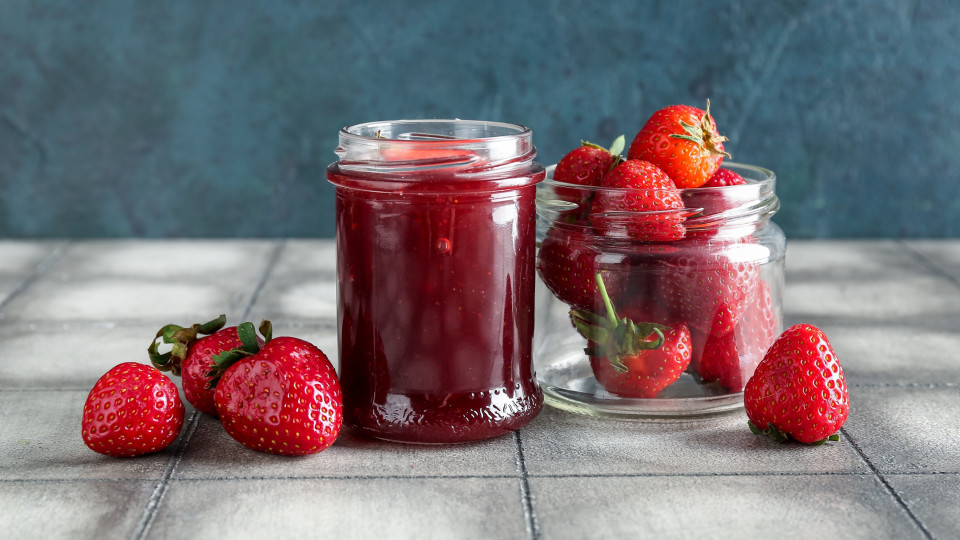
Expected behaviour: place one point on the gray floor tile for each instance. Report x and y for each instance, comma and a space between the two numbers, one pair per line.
196, 260
906, 429
561, 443
303, 284
124, 300
834, 506
70, 510
933, 498
68, 355
943, 254
18, 260
342, 508
872, 281
40, 439
21, 257
211, 453
917, 350
849, 259
124, 281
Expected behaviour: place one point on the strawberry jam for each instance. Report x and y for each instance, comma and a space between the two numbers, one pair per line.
436, 230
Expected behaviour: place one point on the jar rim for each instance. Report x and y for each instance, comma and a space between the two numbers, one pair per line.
757, 176
381, 131
731, 208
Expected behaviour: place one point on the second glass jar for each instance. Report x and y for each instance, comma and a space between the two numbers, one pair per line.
633, 328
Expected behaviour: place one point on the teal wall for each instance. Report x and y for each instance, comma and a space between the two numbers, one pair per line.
218, 118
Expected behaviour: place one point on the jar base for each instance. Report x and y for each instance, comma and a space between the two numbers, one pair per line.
458, 418
571, 386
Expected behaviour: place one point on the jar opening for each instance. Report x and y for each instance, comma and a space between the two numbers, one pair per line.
717, 210
403, 155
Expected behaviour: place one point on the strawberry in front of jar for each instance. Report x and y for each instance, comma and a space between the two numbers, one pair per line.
632, 359
567, 262
283, 399
132, 410
798, 391
683, 141
639, 202
192, 357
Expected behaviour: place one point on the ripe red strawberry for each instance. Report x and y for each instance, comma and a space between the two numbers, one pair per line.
706, 288
640, 202
798, 391
567, 263
632, 359
725, 177
284, 399
192, 357
587, 164
729, 358
132, 410
683, 141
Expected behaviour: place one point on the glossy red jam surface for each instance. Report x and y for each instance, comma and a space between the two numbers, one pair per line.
435, 304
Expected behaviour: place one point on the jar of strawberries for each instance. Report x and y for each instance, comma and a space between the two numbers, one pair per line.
660, 275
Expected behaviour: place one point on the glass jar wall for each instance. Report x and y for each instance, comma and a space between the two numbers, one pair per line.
632, 327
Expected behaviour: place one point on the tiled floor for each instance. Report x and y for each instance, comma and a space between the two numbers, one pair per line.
70, 310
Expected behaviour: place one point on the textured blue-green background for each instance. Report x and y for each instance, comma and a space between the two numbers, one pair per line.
217, 118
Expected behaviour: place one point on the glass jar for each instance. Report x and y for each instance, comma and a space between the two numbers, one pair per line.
633, 327
436, 233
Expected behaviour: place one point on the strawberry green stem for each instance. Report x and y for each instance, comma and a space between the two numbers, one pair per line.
181, 338
607, 303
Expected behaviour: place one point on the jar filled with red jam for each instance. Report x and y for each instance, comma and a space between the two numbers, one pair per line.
436, 234
657, 313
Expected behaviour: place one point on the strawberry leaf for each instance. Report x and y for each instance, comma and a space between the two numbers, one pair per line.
210, 327
248, 336
266, 330
222, 362
618, 145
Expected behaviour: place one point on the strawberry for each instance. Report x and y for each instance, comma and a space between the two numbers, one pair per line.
132, 410
192, 357
683, 141
632, 359
725, 177
587, 164
283, 399
729, 358
640, 202
706, 288
798, 391
567, 263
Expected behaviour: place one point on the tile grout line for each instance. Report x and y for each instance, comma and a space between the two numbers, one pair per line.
267, 272
886, 485
469, 477
529, 513
150, 512
156, 499
41, 268
931, 265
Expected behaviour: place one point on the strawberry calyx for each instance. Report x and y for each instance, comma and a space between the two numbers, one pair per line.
703, 135
781, 436
613, 337
250, 346
615, 150
181, 338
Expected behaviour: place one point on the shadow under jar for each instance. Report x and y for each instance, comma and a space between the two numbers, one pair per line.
704, 307
436, 233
